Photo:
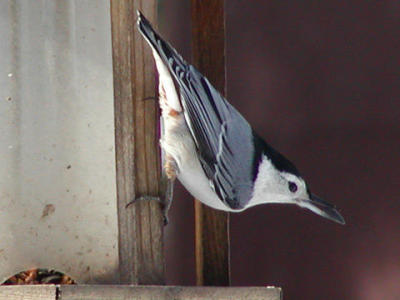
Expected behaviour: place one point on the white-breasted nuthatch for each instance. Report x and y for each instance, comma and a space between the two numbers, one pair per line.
213, 150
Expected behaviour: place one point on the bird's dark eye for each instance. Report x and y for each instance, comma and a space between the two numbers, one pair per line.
292, 187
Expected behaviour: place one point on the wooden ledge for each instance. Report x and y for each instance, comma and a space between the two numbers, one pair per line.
127, 292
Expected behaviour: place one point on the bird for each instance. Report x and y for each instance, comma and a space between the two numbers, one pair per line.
211, 148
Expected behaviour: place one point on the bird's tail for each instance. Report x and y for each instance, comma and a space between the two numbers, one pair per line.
322, 208
167, 53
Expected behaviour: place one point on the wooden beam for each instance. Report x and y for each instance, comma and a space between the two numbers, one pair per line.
71, 292
126, 292
141, 259
211, 226
28, 292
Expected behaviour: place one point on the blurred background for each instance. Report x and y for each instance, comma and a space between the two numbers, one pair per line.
319, 80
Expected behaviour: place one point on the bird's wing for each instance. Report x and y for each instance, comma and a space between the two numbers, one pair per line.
222, 136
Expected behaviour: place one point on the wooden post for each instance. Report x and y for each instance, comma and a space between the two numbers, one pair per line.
140, 225
211, 226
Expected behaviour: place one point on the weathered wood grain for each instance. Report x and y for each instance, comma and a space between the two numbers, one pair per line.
137, 153
212, 226
28, 292
81, 292
127, 292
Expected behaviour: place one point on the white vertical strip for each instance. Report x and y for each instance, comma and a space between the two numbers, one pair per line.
57, 169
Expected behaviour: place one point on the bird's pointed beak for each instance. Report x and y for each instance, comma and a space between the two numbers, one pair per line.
323, 208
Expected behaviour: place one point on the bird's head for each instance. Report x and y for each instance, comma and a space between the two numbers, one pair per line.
278, 184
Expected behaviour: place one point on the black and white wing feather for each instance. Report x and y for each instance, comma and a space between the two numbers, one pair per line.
222, 136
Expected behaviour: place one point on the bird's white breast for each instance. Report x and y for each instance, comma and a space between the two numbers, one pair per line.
177, 142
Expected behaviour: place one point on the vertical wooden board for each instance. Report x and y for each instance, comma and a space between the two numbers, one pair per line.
137, 153
121, 12
28, 292
212, 226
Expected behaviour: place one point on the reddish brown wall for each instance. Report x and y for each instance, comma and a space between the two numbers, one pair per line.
320, 81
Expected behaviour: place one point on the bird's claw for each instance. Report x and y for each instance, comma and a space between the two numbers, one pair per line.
166, 203
150, 98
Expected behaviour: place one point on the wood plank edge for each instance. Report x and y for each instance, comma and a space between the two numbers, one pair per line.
28, 292
70, 292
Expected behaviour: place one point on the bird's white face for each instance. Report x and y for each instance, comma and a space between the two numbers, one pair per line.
295, 187
273, 186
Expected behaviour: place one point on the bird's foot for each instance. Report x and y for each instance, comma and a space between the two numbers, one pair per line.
170, 168
150, 98
143, 198
165, 203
